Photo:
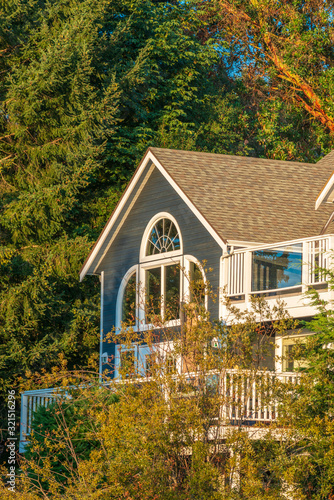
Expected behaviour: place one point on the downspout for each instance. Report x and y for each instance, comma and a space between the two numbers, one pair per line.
101, 323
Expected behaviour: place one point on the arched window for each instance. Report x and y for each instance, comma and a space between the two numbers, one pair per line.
129, 301
163, 237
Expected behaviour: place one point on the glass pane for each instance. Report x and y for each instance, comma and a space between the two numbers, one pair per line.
163, 238
172, 293
152, 244
153, 298
197, 286
277, 268
129, 302
174, 238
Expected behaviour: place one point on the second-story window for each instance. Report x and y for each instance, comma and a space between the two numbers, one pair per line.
163, 292
151, 291
163, 237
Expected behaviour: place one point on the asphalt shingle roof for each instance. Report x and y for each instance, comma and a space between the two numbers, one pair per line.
251, 199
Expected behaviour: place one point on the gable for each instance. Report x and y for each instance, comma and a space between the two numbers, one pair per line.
141, 178
157, 196
237, 199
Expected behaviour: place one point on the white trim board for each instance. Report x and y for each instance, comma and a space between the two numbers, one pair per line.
325, 195
155, 163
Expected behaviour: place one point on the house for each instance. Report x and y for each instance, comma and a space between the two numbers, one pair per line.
262, 226
236, 213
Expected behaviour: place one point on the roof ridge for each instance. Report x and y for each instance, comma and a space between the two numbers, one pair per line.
222, 155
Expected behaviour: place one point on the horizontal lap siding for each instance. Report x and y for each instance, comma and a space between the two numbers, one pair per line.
157, 196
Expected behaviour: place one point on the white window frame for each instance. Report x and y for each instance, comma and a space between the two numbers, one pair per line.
167, 255
162, 263
140, 269
120, 295
188, 259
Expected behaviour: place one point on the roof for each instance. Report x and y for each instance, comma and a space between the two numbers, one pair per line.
252, 199
327, 193
239, 198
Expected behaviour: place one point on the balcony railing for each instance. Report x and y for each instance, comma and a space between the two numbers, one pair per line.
280, 267
30, 402
247, 398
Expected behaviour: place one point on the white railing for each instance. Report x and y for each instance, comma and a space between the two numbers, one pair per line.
236, 270
30, 402
315, 253
317, 260
250, 397
246, 397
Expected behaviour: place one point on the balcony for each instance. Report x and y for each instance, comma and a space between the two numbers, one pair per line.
284, 270
247, 399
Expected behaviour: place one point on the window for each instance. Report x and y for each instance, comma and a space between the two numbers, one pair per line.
197, 285
170, 363
151, 291
163, 293
293, 348
277, 268
163, 237
129, 301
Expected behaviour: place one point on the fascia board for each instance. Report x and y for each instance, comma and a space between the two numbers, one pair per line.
148, 157
325, 192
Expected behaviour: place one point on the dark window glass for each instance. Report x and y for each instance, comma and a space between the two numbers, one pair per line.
277, 268
129, 302
163, 238
197, 285
153, 283
172, 292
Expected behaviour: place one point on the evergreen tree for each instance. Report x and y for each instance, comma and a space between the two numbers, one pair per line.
85, 87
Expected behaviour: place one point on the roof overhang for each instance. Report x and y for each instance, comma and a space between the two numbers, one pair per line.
89, 267
327, 194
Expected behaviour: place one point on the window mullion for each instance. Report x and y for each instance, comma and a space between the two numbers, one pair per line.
163, 291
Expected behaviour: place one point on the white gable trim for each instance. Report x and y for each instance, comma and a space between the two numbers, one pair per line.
149, 157
323, 196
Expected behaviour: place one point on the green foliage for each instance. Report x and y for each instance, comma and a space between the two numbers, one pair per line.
85, 86
166, 436
65, 433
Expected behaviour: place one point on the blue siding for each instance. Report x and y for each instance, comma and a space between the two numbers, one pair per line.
156, 196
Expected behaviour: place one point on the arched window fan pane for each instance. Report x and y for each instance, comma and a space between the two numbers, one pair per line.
163, 237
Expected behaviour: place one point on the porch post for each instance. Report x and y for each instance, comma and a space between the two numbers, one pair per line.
101, 323
24, 422
247, 276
